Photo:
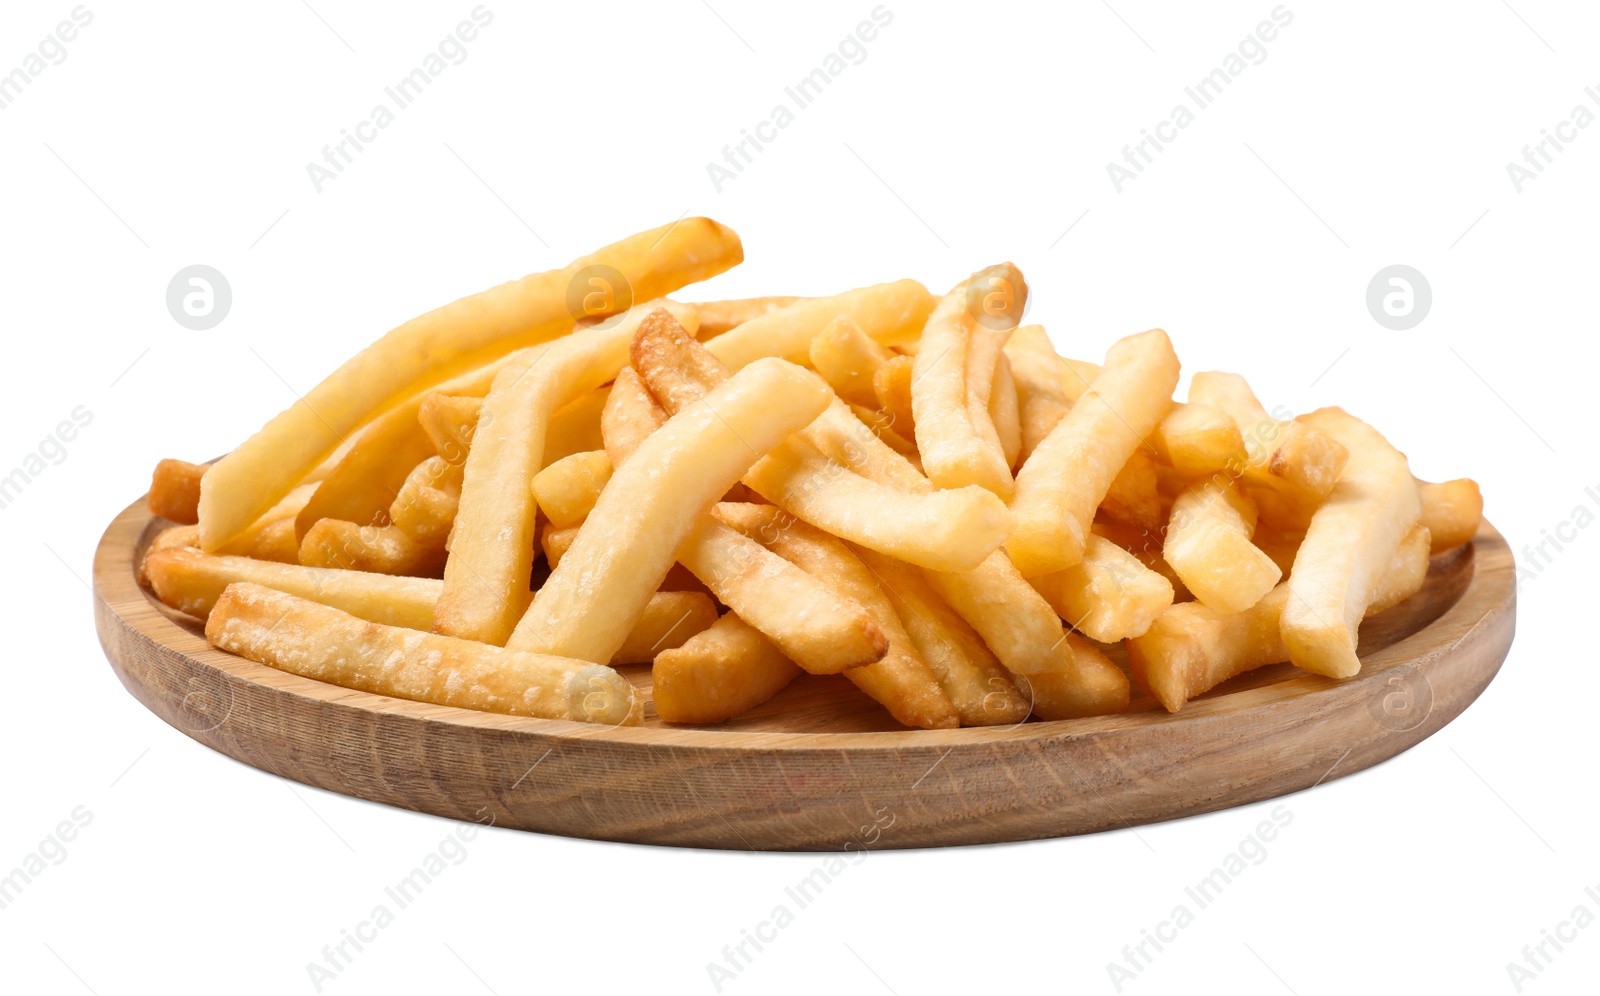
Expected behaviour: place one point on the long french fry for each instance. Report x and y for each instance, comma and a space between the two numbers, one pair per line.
717, 317
435, 347
1282, 454
630, 415
487, 577
1110, 595
719, 673
1208, 544
1042, 398
425, 508
1069, 473
335, 543
890, 313
1093, 686
1005, 411
669, 620
848, 358
316, 641
630, 540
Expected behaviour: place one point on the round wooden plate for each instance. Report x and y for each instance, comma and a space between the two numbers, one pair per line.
821, 766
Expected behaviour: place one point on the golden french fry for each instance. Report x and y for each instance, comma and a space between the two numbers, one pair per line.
1198, 441
425, 508
556, 542
1406, 573
891, 385
1208, 544
1015, 621
1281, 453
1451, 511
317, 641
1070, 471
630, 540
630, 415
817, 624
1134, 496
901, 681
889, 313
335, 543
1094, 686
1110, 595
176, 538
979, 688
567, 489
442, 344
717, 317
1042, 398
951, 530
1350, 542
951, 379
449, 421
881, 424
847, 358
670, 618
719, 673
175, 491
273, 536
487, 577
1004, 411
575, 428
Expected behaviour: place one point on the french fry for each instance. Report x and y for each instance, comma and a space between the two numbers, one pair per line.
1134, 497
901, 680
335, 543
1015, 621
1281, 453
1352, 538
176, 538
891, 385
1192, 648
979, 688
1042, 398
847, 358
450, 422
435, 347
191, 582
425, 508
630, 415
1198, 441
567, 489
951, 379
951, 530
273, 536
719, 673
889, 313
1208, 544
487, 577
575, 428
1070, 471
556, 542
1004, 411
1110, 595
630, 540
1451, 511
175, 491
320, 642
881, 425
815, 623
670, 618
1094, 686
717, 317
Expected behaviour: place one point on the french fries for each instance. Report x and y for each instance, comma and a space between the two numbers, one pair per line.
1352, 537
948, 513
719, 673
1070, 471
630, 539
435, 347
317, 641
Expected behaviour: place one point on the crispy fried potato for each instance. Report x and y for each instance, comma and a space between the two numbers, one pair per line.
175, 491
335, 543
1004, 411
1015, 621
882, 426
425, 508
1110, 595
891, 385
719, 673
1094, 686
1406, 573
567, 489
717, 317
630, 415
951, 380
630, 540
979, 688
436, 347
1451, 511
320, 642
273, 536
1198, 441
670, 618
1134, 497
847, 358
491, 550
1069, 473
889, 313
1352, 538
1281, 453
1208, 544
1042, 398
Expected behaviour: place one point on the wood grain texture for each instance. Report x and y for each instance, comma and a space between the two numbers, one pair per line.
822, 767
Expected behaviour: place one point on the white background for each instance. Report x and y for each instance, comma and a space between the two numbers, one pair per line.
1372, 134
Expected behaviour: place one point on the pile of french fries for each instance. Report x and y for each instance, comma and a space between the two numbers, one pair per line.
500, 503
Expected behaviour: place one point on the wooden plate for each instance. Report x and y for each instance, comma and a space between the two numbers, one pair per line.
822, 767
